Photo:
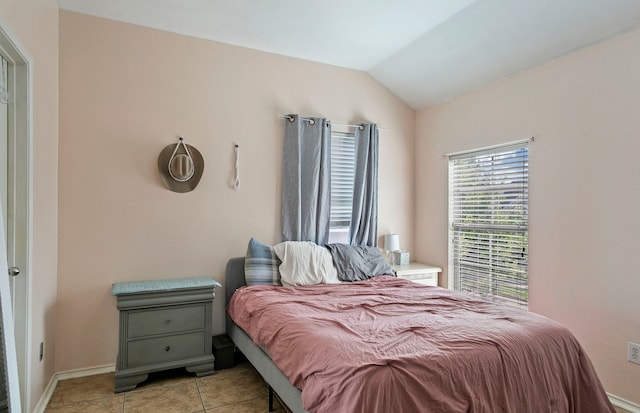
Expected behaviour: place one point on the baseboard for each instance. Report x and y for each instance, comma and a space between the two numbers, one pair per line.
46, 396
70, 374
624, 404
91, 371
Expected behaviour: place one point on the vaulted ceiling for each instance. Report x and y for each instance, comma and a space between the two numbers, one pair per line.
424, 51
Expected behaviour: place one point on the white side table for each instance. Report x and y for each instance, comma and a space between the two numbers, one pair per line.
420, 273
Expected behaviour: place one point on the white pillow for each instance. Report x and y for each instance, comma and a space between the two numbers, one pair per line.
305, 263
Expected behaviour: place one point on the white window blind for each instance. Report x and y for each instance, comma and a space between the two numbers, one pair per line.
488, 224
343, 157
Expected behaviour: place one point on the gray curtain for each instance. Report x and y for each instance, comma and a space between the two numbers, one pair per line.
364, 216
306, 180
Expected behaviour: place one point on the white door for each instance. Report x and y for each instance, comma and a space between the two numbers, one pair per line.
14, 192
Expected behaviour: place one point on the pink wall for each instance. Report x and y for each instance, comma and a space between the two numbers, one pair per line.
125, 93
35, 24
584, 190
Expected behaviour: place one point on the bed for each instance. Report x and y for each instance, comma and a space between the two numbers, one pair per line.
450, 353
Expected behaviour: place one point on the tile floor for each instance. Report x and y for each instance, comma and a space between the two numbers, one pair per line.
236, 390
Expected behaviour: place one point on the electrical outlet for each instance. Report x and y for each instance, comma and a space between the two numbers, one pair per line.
41, 350
633, 353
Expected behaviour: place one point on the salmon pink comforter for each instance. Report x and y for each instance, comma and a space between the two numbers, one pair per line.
389, 345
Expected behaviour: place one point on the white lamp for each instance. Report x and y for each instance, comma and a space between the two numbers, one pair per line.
392, 242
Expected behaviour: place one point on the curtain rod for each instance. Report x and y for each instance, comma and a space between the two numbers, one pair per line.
290, 118
500, 145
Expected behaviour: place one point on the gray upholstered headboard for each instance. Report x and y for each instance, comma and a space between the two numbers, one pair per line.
234, 277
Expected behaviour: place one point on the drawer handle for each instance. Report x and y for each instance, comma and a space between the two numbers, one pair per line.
168, 321
167, 348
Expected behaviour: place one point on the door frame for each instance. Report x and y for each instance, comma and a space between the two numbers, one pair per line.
23, 128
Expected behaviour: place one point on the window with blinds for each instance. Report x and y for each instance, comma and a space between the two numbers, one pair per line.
488, 224
343, 160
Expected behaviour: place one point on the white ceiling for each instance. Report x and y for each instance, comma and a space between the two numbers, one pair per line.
424, 51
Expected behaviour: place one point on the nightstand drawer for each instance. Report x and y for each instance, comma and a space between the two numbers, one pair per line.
165, 320
157, 350
419, 273
424, 278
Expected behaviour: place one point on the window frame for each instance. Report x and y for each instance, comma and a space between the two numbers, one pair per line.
488, 243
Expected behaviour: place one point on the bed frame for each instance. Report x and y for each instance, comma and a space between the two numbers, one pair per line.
257, 356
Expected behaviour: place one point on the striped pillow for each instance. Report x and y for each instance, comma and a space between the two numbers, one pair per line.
261, 264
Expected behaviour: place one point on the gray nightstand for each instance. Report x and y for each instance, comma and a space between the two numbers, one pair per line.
420, 273
164, 324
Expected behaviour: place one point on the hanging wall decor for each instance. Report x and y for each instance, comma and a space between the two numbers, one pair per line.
180, 166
